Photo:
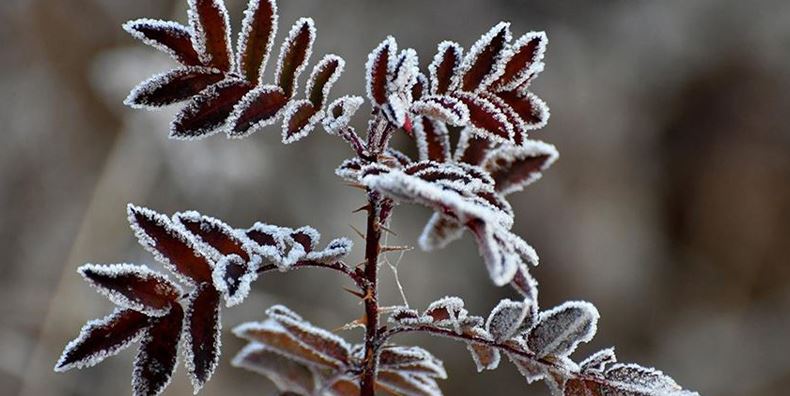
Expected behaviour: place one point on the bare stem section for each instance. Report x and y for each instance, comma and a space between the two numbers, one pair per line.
372, 251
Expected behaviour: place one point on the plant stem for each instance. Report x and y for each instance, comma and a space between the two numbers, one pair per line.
372, 250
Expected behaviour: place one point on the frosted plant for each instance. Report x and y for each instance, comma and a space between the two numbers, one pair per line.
482, 96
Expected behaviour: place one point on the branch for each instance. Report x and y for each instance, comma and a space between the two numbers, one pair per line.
337, 266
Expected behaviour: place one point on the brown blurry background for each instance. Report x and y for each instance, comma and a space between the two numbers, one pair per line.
669, 208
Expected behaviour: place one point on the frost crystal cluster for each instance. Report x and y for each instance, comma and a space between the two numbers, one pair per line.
477, 98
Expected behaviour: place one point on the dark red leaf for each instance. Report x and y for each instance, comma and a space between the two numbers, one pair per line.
173, 87
323, 77
100, 339
156, 359
486, 117
433, 140
483, 62
444, 67
256, 38
170, 37
527, 53
378, 70
307, 237
512, 168
131, 286
214, 233
260, 107
299, 121
207, 112
472, 149
209, 20
170, 245
519, 126
203, 333
531, 109
420, 87
294, 54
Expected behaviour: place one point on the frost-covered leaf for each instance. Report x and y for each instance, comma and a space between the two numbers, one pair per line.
643, 380
299, 120
294, 54
597, 362
439, 232
472, 149
273, 337
404, 384
306, 236
350, 169
515, 167
211, 24
531, 109
220, 239
260, 107
202, 334
488, 120
379, 64
414, 360
102, 338
520, 128
420, 87
286, 374
406, 316
433, 140
525, 284
157, 358
233, 277
324, 343
134, 287
286, 333
529, 368
528, 52
404, 73
444, 68
324, 75
506, 319
499, 256
485, 357
485, 61
561, 329
172, 87
339, 113
627, 379
443, 108
446, 311
256, 38
447, 191
209, 111
169, 37
333, 252
170, 244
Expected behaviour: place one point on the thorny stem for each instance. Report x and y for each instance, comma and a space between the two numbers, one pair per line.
372, 251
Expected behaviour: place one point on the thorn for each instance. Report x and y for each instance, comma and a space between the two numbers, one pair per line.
387, 249
354, 292
387, 229
350, 325
356, 185
365, 208
359, 233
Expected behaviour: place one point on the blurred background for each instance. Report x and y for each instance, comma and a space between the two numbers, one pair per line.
669, 208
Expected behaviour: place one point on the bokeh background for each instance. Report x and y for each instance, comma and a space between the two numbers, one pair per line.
669, 208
